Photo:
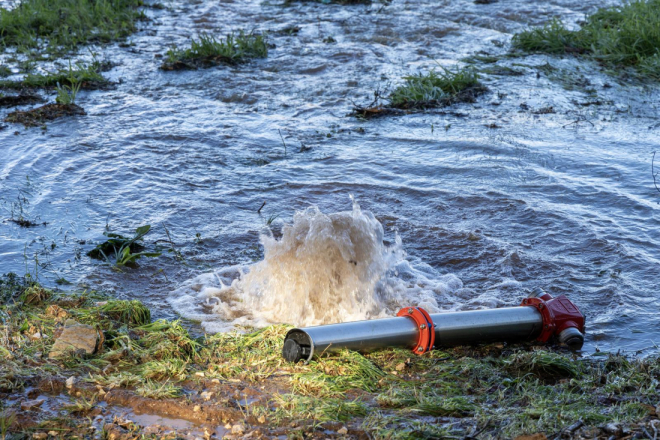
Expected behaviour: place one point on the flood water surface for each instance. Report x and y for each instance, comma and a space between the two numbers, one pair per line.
545, 181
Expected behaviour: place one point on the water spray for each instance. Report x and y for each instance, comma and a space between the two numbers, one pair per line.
539, 317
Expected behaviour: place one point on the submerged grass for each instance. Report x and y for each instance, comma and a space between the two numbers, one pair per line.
620, 36
81, 75
61, 25
435, 88
208, 51
452, 393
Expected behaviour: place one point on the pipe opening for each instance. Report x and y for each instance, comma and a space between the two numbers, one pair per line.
297, 346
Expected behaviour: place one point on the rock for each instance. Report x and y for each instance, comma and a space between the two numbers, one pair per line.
39, 435
206, 395
56, 311
200, 374
237, 429
342, 431
197, 408
70, 382
215, 380
27, 405
614, 429
261, 419
75, 337
401, 366
53, 433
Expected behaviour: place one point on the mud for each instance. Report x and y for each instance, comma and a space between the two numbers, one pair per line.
48, 112
17, 100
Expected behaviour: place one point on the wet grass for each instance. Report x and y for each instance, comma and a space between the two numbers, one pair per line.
621, 36
208, 51
435, 88
469, 392
120, 250
58, 26
82, 75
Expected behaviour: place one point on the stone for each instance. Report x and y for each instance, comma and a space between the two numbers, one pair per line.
261, 419
401, 366
614, 429
197, 408
28, 405
200, 374
75, 337
237, 429
206, 395
36, 336
70, 382
342, 431
39, 435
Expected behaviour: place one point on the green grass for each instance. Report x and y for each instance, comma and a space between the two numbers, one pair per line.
436, 88
208, 51
120, 251
389, 394
61, 25
156, 390
621, 36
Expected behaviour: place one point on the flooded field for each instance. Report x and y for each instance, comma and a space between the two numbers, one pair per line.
544, 181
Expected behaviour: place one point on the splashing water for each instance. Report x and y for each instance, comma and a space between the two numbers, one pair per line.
325, 268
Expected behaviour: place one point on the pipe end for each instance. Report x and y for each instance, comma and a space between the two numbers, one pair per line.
572, 338
298, 346
292, 351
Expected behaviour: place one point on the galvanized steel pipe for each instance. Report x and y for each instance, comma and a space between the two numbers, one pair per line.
538, 318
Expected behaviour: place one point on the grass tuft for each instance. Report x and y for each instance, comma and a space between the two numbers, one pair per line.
155, 390
127, 312
61, 25
208, 51
544, 364
620, 36
437, 88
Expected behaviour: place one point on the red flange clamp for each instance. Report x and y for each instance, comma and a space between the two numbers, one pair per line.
425, 325
558, 314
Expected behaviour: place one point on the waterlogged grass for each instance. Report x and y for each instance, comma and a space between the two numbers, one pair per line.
208, 51
61, 25
621, 36
435, 88
82, 75
484, 392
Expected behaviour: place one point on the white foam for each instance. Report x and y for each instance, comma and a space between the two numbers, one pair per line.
325, 268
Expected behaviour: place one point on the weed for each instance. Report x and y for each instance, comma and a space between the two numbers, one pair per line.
131, 312
122, 251
620, 36
436, 88
61, 25
209, 51
81, 405
155, 390
542, 363
79, 75
7, 418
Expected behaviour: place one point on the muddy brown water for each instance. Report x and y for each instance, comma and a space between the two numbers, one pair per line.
504, 194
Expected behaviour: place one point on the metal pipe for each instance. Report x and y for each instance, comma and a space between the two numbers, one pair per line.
539, 317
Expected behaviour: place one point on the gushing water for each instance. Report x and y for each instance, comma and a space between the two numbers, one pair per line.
325, 268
